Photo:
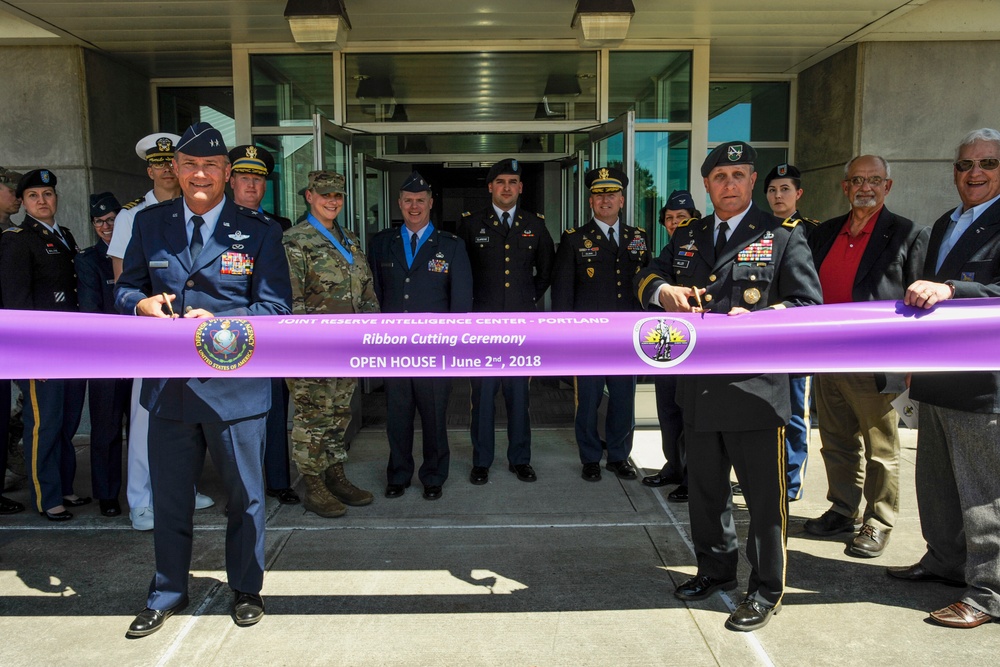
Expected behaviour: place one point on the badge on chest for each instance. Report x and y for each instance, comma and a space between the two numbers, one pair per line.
236, 264
438, 264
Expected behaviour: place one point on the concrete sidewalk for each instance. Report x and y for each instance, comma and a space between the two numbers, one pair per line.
559, 572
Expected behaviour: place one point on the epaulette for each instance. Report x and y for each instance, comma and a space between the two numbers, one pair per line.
571, 231
811, 221
539, 216
448, 235
14, 229
791, 224
685, 223
466, 214
133, 203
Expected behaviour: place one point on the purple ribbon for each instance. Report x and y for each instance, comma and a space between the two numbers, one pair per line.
862, 337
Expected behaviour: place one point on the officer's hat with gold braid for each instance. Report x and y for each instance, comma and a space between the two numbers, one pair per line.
251, 160
605, 179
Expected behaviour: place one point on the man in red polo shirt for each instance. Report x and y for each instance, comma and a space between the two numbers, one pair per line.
870, 254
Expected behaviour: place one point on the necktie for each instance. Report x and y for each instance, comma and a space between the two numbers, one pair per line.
196, 242
720, 241
506, 219
413, 244
611, 237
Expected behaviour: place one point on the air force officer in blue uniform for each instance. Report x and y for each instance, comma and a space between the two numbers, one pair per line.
201, 256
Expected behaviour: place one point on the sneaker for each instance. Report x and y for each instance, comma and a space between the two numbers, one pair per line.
831, 523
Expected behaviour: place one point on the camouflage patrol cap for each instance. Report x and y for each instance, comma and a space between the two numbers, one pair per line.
9, 177
325, 182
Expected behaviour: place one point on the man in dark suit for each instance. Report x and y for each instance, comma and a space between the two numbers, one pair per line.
593, 272
36, 273
417, 268
748, 260
202, 256
108, 399
958, 459
251, 166
870, 254
511, 253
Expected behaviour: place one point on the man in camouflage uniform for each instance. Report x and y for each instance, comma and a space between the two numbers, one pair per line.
329, 275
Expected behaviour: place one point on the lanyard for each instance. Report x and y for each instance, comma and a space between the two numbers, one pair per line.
348, 255
420, 242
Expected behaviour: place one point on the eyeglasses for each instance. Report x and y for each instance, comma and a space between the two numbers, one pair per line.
98, 222
986, 164
858, 181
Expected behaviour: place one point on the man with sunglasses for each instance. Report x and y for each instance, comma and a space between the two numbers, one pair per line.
958, 486
870, 254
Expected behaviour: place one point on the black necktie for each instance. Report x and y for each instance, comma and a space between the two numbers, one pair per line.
506, 219
413, 245
196, 242
611, 237
720, 241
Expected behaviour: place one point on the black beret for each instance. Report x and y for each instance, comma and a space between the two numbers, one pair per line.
605, 179
415, 183
201, 140
680, 200
509, 166
36, 178
729, 153
103, 203
783, 171
251, 160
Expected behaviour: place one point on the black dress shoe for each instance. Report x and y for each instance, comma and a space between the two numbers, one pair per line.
65, 515
751, 615
396, 490
479, 475
285, 496
248, 608
8, 506
432, 492
591, 472
700, 587
679, 495
79, 502
149, 620
623, 469
920, 574
524, 472
659, 479
110, 507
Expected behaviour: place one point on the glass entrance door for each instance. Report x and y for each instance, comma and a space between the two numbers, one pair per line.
334, 152
612, 144
372, 201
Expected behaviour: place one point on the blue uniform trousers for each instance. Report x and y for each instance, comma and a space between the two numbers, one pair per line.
797, 433
404, 398
482, 429
619, 425
109, 403
277, 472
52, 412
671, 420
176, 456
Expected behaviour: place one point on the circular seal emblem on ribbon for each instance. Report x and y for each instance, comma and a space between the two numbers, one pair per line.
663, 342
224, 344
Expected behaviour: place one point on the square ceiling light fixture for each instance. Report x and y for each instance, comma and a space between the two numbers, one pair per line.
318, 22
602, 22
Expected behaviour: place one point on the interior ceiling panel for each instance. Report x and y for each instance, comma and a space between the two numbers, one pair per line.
183, 38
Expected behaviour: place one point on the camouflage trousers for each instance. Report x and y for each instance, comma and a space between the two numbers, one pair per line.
322, 415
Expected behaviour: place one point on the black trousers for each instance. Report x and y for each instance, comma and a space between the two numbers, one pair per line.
483, 430
405, 397
759, 460
109, 403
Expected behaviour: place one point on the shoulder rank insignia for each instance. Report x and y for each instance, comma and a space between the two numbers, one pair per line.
539, 216
571, 231
14, 229
685, 223
811, 221
466, 214
791, 224
134, 203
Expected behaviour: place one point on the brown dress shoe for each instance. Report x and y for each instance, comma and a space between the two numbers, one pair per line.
960, 615
870, 542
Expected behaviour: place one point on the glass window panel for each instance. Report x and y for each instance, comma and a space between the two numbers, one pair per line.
661, 166
288, 89
179, 108
474, 144
457, 87
293, 160
656, 84
748, 111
